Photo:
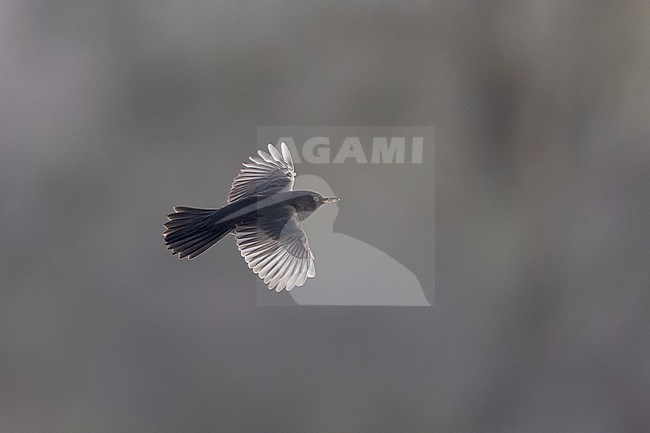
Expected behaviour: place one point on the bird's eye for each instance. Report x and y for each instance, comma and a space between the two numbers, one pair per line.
316, 198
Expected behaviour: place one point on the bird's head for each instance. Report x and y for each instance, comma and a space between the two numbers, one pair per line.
311, 201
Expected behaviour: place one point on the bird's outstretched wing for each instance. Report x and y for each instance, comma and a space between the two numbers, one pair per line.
266, 174
277, 250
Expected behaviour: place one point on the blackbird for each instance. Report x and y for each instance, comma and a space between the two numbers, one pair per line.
264, 214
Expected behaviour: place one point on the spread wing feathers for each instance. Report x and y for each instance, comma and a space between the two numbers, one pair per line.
277, 250
266, 174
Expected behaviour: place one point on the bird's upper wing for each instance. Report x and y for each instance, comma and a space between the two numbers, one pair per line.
277, 250
266, 174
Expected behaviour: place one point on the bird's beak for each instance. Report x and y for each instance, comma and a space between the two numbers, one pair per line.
330, 200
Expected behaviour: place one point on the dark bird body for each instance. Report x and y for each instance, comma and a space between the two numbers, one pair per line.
264, 213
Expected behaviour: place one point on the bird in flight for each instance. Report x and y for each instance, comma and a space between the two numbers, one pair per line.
264, 213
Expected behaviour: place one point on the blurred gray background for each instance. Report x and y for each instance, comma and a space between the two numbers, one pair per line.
114, 111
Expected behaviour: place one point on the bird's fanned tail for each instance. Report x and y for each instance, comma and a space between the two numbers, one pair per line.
191, 231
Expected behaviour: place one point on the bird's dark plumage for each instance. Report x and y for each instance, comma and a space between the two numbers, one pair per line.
264, 213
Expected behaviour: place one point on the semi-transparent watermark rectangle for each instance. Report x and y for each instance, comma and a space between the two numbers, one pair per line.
374, 247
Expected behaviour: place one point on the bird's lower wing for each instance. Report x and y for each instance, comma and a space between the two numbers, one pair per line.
277, 250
